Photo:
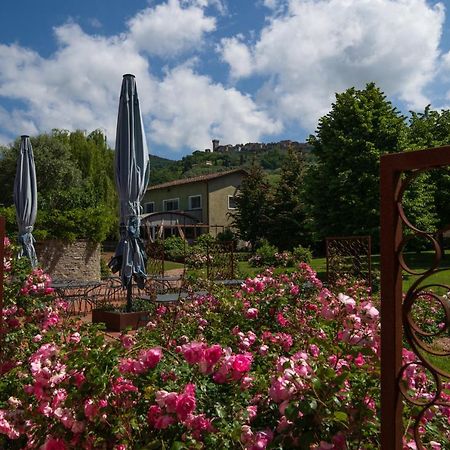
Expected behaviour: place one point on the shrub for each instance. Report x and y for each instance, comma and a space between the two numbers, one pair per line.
302, 254
94, 224
196, 257
204, 241
299, 369
265, 255
226, 235
175, 248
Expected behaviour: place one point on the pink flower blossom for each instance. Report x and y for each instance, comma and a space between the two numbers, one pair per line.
213, 354
193, 352
150, 358
186, 402
359, 360
54, 444
75, 338
251, 313
127, 341
242, 363
314, 350
164, 421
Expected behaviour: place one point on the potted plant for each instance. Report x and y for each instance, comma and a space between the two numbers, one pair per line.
118, 319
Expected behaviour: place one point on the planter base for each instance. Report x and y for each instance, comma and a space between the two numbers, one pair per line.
118, 321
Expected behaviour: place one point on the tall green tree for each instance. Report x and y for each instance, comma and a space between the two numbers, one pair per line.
342, 186
75, 179
251, 217
427, 129
287, 212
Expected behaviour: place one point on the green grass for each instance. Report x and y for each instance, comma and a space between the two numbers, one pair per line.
416, 261
169, 265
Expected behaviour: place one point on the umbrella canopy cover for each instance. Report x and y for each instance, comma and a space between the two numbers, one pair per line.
25, 199
132, 173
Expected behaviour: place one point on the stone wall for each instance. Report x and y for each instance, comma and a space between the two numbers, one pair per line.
75, 261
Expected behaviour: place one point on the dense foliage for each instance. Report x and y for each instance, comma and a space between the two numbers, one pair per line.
343, 184
282, 363
75, 181
253, 206
287, 226
335, 191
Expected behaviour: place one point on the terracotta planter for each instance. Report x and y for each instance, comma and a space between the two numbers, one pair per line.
118, 320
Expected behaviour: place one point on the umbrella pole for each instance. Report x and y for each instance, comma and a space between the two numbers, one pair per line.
129, 292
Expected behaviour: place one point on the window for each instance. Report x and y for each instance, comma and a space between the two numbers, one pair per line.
232, 202
149, 207
172, 204
195, 202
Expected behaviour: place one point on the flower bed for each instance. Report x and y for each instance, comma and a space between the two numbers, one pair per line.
283, 363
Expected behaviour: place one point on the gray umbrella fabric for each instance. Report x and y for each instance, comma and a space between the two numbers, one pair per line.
132, 173
25, 199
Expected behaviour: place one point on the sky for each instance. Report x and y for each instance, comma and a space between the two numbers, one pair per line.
234, 70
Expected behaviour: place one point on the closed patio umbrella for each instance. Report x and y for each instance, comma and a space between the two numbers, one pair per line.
132, 172
25, 199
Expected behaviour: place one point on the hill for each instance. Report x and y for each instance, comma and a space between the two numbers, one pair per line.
224, 157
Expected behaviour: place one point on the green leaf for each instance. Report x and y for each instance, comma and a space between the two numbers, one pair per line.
178, 445
341, 416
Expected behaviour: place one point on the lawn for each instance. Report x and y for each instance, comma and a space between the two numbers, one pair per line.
416, 261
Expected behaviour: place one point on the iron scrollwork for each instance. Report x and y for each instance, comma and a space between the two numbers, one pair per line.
423, 382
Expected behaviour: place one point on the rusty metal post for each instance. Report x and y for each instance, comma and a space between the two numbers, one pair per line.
370, 260
391, 309
2, 271
327, 256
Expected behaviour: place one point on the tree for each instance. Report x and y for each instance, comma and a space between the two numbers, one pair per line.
342, 189
287, 225
432, 129
251, 216
75, 182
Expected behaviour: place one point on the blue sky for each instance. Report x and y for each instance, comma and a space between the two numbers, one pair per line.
236, 70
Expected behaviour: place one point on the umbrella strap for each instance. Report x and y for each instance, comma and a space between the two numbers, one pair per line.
26, 238
133, 227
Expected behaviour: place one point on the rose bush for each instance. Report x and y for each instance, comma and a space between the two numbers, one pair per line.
281, 363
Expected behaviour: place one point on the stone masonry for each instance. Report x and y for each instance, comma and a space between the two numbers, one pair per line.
75, 261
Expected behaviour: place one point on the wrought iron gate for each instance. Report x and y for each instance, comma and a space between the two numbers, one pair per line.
399, 316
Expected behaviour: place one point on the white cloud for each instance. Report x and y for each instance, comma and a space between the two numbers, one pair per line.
78, 87
237, 55
273, 4
319, 47
169, 29
192, 110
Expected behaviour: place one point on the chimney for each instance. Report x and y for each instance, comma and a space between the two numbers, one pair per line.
215, 143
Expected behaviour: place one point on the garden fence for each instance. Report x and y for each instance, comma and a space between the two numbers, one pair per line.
349, 257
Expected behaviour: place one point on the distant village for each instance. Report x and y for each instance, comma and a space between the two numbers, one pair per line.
258, 146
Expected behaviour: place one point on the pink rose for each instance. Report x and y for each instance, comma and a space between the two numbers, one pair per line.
359, 360
213, 354
127, 341
193, 352
186, 402
251, 313
150, 358
54, 444
75, 338
163, 422
153, 414
314, 350
242, 363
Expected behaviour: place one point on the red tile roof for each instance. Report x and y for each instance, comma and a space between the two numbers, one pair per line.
200, 178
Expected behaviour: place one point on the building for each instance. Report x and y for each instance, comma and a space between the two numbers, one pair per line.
191, 206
